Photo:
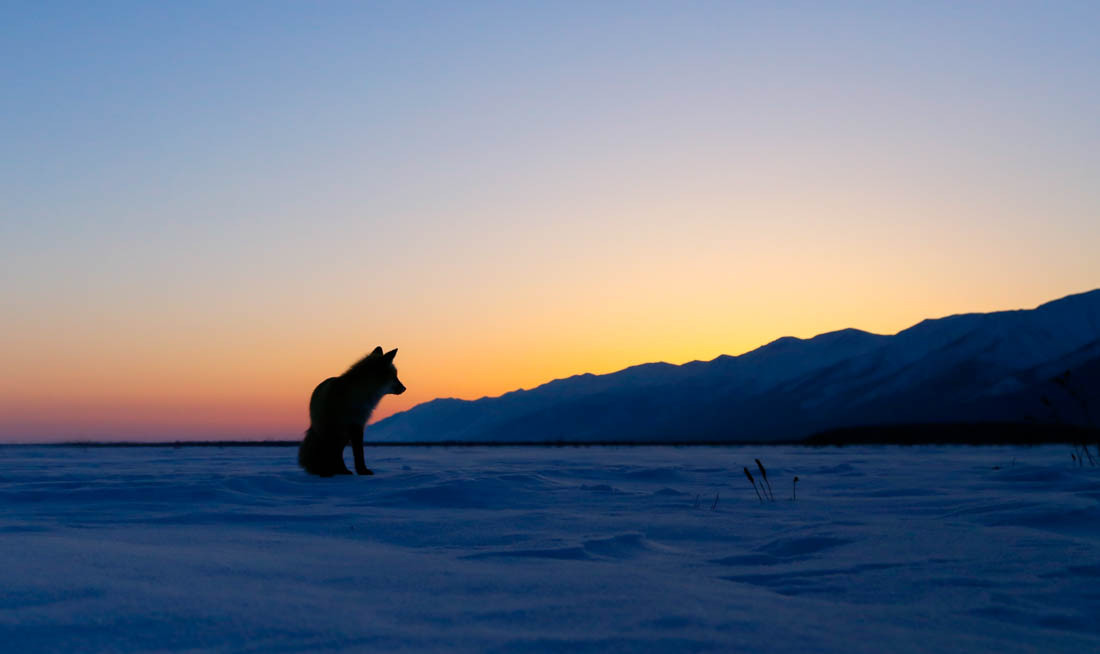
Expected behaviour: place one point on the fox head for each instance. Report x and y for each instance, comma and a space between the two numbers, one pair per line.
378, 368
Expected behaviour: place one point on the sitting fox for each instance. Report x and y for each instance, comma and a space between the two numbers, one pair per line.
338, 412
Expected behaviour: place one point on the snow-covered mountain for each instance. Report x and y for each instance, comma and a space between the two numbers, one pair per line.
971, 367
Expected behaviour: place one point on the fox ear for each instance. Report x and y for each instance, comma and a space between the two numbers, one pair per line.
388, 356
376, 352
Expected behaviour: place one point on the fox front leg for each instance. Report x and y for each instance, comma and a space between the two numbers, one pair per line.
357, 451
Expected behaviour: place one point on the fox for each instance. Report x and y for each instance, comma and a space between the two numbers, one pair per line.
339, 409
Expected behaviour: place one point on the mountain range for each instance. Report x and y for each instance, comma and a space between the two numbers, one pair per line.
1006, 366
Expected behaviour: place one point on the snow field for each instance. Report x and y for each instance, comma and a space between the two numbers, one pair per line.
550, 550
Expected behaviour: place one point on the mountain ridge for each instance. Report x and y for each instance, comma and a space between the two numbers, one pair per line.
955, 368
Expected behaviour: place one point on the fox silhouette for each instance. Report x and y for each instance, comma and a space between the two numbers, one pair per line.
338, 412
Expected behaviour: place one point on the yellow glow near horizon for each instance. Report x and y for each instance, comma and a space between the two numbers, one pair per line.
203, 391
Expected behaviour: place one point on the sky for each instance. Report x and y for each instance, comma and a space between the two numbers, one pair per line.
206, 208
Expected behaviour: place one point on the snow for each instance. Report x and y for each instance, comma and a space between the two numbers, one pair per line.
549, 550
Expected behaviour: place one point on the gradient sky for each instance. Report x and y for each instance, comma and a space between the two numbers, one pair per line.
207, 208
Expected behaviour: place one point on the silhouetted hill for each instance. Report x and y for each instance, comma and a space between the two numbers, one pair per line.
993, 367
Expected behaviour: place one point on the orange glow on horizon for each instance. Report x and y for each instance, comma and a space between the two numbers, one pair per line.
213, 395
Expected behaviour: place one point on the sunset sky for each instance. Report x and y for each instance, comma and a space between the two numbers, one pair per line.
209, 207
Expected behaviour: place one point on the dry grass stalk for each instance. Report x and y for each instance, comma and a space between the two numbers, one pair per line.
764, 474
753, 482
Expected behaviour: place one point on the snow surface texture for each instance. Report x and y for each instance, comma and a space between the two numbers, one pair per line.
924, 549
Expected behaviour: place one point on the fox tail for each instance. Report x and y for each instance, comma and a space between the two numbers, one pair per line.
309, 452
